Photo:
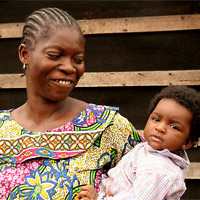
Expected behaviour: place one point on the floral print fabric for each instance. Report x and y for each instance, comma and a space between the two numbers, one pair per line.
56, 163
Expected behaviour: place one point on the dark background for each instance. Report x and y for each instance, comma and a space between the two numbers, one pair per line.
174, 50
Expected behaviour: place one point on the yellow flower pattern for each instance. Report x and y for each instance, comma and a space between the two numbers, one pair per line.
99, 137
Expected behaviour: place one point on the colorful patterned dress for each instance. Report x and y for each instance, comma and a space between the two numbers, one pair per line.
55, 164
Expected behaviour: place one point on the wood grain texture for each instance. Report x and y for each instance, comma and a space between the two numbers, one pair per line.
140, 78
119, 79
121, 25
140, 24
194, 171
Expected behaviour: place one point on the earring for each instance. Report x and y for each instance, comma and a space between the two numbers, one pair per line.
24, 66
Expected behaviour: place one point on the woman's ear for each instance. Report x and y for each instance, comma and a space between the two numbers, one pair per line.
23, 53
188, 143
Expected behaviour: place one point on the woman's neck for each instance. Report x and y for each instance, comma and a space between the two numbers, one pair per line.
41, 109
43, 116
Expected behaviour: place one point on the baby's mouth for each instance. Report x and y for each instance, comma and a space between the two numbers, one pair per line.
156, 138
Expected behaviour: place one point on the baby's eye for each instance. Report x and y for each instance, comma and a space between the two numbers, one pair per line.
174, 127
155, 119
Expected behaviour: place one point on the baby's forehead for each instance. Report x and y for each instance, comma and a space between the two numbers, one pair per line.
172, 108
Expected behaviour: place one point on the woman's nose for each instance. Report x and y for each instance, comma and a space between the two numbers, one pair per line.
67, 66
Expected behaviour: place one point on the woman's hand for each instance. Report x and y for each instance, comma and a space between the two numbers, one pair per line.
88, 192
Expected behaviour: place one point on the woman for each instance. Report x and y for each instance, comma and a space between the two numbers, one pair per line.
54, 144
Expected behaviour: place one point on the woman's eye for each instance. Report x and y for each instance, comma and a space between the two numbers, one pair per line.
78, 61
53, 56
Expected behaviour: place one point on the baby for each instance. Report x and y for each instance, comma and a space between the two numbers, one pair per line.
156, 169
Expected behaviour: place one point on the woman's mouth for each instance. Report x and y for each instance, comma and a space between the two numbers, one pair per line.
63, 82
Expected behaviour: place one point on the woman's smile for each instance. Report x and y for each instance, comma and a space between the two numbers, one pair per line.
63, 82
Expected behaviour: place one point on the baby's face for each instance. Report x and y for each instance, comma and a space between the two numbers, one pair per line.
168, 126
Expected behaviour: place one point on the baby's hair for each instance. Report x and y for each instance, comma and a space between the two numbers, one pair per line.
186, 96
43, 22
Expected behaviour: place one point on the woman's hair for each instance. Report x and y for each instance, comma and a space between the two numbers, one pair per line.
43, 22
186, 96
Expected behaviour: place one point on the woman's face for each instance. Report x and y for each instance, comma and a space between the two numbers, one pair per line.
55, 65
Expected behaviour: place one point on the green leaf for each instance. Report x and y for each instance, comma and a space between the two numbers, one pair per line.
58, 146
89, 137
15, 151
66, 146
15, 143
7, 151
66, 137
59, 137
8, 143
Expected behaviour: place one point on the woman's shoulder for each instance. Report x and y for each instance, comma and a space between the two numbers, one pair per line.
8, 127
102, 107
111, 114
95, 115
6, 111
5, 114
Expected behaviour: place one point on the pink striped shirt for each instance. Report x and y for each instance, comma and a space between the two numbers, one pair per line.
146, 174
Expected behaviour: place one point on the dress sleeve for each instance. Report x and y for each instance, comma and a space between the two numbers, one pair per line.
124, 135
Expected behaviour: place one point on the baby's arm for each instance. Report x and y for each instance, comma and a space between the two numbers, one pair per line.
88, 192
152, 185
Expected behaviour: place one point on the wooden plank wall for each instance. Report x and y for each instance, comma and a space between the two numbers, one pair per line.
133, 49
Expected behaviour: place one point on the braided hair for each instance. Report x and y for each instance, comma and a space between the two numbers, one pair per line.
43, 22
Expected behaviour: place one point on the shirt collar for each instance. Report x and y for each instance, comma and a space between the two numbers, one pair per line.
180, 160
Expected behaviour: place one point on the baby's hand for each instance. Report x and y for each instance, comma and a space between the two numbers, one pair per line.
88, 192
108, 193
